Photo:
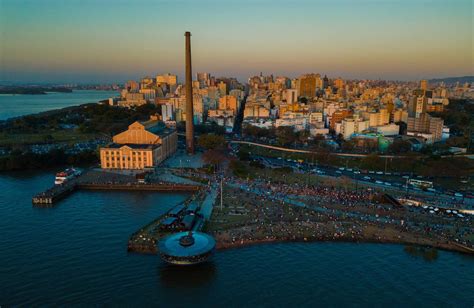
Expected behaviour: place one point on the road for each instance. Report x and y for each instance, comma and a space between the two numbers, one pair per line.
392, 182
272, 147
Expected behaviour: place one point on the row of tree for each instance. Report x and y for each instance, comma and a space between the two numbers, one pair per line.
29, 160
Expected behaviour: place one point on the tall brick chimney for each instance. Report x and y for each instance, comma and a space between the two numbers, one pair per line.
189, 98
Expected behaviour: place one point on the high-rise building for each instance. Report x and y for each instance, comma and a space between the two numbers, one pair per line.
307, 85
417, 106
381, 117
426, 124
148, 94
399, 115
198, 109
132, 86
146, 82
222, 86
338, 116
228, 102
325, 82
167, 112
319, 82
238, 94
291, 96
168, 79
283, 81
352, 125
204, 79
339, 83
424, 84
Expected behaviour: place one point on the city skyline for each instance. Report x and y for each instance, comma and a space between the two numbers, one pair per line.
114, 41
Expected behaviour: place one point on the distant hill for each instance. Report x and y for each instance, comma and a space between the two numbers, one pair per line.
32, 90
451, 80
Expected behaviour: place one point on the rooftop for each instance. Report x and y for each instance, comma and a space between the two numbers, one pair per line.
172, 246
157, 127
132, 146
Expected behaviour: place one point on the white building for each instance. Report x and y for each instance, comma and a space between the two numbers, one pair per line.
167, 111
388, 130
351, 125
291, 96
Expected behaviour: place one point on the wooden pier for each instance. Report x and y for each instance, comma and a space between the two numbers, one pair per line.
51, 196
140, 187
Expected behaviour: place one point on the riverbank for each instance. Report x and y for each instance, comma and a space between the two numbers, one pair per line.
406, 239
260, 213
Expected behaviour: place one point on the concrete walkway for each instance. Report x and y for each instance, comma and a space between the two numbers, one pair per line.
208, 203
182, 160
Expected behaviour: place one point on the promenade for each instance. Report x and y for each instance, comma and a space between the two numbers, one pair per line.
105, 180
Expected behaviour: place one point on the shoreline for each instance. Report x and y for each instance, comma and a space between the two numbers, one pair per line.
152, 249
452, 247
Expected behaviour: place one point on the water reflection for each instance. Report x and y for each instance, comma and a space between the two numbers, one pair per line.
174, 276
428, 254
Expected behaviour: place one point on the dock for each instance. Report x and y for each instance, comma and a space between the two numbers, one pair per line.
145, 240
95, 180
140, 187
51, 196
198, 207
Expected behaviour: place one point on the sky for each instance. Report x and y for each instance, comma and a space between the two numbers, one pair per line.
88, 41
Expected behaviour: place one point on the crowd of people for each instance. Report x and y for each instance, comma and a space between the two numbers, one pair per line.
303, 212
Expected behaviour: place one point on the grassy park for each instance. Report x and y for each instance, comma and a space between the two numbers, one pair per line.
45, 136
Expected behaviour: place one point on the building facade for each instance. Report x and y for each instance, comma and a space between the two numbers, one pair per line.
143, 145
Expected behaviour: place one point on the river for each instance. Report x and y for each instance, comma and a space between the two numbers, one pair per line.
18, 105
75, 253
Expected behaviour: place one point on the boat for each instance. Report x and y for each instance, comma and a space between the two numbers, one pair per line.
64, 176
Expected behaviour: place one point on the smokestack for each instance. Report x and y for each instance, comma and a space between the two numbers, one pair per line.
189, 98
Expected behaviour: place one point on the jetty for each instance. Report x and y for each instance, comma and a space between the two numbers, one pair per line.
96, 180
184, 216
190, 215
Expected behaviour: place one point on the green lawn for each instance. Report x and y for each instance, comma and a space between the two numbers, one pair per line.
69, 136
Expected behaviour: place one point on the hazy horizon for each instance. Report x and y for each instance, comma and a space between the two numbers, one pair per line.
49, 41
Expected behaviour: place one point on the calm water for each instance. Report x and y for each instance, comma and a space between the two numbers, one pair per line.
18, 105
75, 253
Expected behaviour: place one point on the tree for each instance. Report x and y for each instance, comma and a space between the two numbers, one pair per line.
303, 100
348, 145
257, 132
48, 138
322, 155
243, 155
399, 146
285, 135
303, 136
211, 142
372, 162
213, 157
458, 141
239, 169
